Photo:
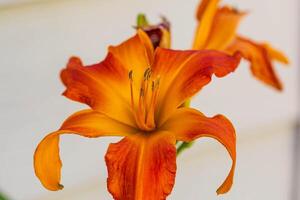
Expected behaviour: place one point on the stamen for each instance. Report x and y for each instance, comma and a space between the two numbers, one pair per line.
141, 107
130, 75
152, 86
137, 113
150, 115
144, 93
147, 73
144, 109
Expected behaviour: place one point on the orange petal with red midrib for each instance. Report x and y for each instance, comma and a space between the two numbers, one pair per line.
87, 123
188, 124
142, 167
183, 73
103, 86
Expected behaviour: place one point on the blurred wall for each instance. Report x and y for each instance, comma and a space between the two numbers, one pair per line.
38, 37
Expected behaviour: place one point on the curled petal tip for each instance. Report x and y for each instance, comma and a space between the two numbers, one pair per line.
60, 186
224, 190
278, 87
57, 187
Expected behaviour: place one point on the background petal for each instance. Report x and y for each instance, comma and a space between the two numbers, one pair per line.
276, 54
205, 15
223, 30
259, 57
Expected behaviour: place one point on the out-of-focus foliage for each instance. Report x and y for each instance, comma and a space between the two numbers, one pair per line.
2, 197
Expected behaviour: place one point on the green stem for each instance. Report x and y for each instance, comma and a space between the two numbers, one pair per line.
186, 103
183, 146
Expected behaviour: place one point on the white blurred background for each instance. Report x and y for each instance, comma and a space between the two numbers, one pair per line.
38, 37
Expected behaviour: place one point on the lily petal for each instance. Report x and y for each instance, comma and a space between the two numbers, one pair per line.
184, 73
205, 15
203, 6
103, 86
260, 59
135, 54
188, 124
276, 54
223, 30
142, 167
87, 123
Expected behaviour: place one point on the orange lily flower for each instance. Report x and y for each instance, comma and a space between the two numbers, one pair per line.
217, 30
135, 93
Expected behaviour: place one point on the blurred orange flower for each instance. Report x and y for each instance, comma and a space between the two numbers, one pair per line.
217, 29
135, 92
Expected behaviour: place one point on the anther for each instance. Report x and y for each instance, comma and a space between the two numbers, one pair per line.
152, 86
130, 74
142, 92
147, 73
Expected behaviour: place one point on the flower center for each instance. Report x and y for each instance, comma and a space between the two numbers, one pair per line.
143, 106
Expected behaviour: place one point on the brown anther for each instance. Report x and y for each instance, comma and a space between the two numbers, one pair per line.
152, 86
130, 75
147, 73
142, 92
